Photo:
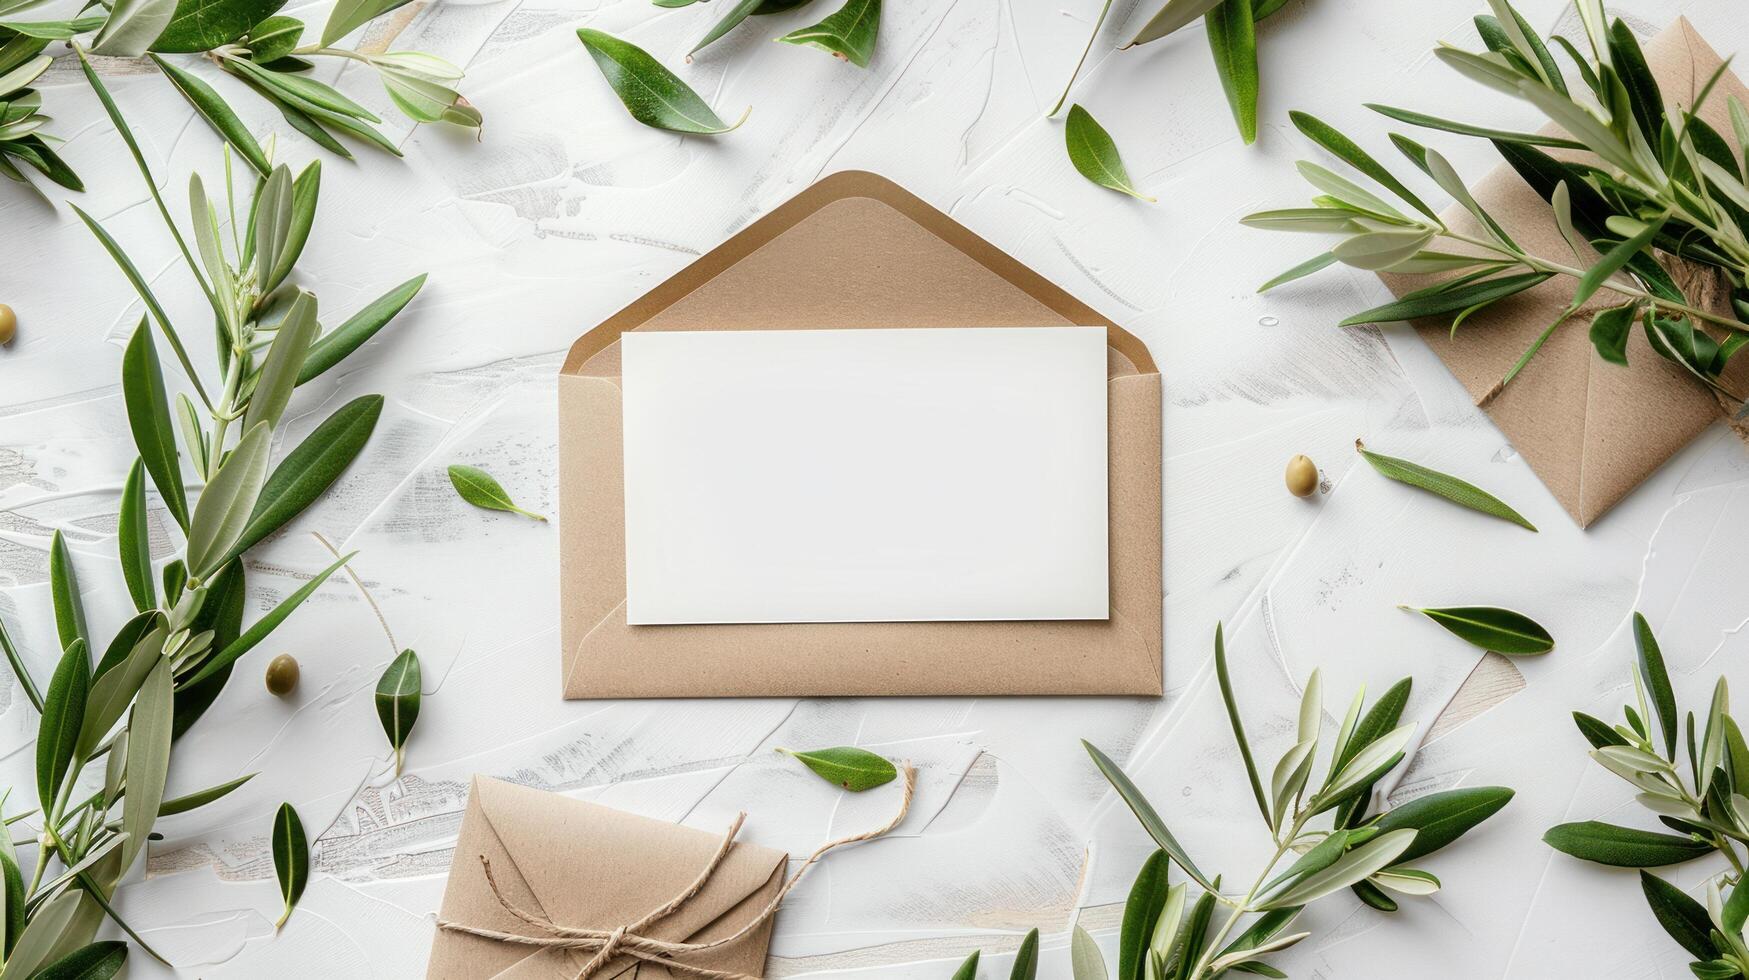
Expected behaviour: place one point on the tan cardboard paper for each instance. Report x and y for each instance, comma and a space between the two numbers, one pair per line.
852, 251
593, 867
1591, 430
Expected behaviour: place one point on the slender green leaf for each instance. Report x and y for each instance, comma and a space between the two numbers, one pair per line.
64, 593
270, 224
1379, 720
1441, 484
148, 756
397, 700
98, 961
133, 540
333, 347
19, 670
1657, 681
200, 798
202, 25
1232, 34
1623, 847
652, 94
274, 38
1226, 685
43, 933
477, 487
1145, 813
1380, 250
266, 625
279, 372
1172, 15
217, 113
310, 469
58, 731
736, 14
148, 408
1373, 856
291, 859
132, 26
1300, 271
1493, 628
1026, 958
969, 969
852, 768
1440, 818
1094, 154
224, 506
112, 690
1140, 914
1331, 139
223, 614
1086, 962
849, 33
350, 15
1448, 301
12, 925
1682, 917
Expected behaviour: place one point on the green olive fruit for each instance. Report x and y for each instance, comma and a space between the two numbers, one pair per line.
282, 675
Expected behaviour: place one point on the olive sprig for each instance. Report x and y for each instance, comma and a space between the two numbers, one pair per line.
164, 668
1370, 853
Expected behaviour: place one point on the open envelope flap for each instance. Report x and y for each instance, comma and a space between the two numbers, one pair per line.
591, 866
1587, 427
853, 251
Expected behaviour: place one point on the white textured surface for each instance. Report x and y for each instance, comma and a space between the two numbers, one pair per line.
568, 210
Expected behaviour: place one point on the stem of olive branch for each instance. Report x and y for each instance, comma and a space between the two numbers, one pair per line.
1555, 268
1212, 949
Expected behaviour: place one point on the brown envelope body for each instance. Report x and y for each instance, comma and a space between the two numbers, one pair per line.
1591, 430
593, 867
853, 251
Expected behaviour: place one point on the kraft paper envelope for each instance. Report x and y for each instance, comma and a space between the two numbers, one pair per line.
586, 866
1590, 429
854, 250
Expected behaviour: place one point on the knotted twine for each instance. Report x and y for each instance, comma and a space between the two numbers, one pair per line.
627, 939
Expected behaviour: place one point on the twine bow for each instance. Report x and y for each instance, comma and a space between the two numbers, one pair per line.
628, 940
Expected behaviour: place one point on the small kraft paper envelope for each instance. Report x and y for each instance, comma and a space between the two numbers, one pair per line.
852, 251
1592, 430
582, 866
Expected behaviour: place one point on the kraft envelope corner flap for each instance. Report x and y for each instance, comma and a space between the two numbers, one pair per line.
1576, 419
786, 269
591, 866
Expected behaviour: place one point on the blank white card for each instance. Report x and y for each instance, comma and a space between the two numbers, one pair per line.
795, 476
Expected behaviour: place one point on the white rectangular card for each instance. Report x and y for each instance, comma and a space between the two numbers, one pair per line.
790, 476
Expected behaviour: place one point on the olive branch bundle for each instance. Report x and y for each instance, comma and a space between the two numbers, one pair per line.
1653, 182
251, 42
1170, 934
1704, 802
104, 741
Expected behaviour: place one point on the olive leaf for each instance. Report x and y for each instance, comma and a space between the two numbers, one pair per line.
1070, 84
148, 760
1356, 865
64, 593
1623, 847
1232, 34
1226, 685
349, 15
1145, 813
309, 470
274, 38
1685, 919
132, 26
1657, 679
1094, 154
334, 346
477, 487
969, 969
262, 627
62, 714
1086, 962
1492, 628
1443, 817
397, 700
97, 961
133, 540
652, 94
202, 25
850, 767
200, 798
224, 506
148, 409
848, 33
291, 859
1141, 912
42, 935
1026, 958
217, 113
285, 358
728, 22
1442, 484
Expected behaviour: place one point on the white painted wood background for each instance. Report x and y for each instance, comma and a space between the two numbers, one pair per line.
566, 210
